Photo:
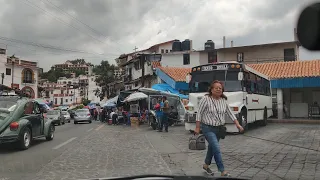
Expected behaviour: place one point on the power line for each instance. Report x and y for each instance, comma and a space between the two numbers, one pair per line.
76, 19
59, 19
48, 46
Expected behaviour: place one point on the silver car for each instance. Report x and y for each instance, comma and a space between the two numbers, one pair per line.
66, 116
56, 117
82, 115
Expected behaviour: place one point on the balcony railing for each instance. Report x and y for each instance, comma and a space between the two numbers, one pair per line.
127, 78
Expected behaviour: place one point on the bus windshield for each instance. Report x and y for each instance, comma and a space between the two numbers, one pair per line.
200, 81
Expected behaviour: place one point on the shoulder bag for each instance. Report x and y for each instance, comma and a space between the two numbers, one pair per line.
222, 130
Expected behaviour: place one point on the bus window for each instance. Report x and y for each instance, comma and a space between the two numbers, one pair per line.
246, 81
253, 83
260, 85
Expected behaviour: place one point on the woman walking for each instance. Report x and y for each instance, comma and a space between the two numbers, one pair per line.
211, 119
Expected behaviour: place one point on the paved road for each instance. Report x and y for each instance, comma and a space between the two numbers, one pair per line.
277, 151
15, 164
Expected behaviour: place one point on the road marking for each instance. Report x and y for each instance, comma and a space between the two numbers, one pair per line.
64, 143
89, 130
98, 128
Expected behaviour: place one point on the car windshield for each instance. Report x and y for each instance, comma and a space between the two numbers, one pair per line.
200, 82
55, 112
7, 106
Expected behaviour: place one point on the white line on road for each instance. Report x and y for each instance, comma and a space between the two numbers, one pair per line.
89, 130
64, 143
97, 129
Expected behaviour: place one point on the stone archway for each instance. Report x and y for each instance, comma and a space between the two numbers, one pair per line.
29, 91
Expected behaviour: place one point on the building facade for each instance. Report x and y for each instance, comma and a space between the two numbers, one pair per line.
75, 65
19, 74
139, 67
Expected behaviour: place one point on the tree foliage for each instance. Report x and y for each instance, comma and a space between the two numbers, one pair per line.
105, 72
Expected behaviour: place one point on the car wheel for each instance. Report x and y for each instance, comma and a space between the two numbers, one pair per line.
63, 122
75, 122
50, 135
25, 139
90, 121
69, 121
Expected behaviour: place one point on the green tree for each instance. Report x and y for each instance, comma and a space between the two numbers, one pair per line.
97, 92
105, 72
85, 101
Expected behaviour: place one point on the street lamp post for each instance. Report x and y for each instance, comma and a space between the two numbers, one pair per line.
13, 59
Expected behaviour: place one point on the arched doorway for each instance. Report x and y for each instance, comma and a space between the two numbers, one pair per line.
29, 91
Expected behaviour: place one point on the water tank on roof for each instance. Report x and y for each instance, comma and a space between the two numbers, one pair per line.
186, 45
176, 46
209, 45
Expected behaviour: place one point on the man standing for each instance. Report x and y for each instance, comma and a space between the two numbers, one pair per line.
165, 110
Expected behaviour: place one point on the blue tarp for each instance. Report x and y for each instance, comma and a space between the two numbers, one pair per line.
111, 102
168, 88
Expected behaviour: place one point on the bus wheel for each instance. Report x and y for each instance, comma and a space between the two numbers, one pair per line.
264, 122
243, 120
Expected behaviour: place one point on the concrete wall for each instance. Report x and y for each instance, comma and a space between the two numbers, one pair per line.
254, 54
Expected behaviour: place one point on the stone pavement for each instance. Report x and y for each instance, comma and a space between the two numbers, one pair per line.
277, 151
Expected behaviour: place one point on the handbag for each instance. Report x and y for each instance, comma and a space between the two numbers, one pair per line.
222, 130
197, 142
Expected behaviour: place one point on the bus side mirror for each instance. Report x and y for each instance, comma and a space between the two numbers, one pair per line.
240, 76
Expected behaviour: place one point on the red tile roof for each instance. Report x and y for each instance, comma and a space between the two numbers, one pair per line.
176, 73
156, 64
293, 69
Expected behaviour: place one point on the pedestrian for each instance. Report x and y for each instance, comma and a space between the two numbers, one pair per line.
157, 107
211, 119
165, 114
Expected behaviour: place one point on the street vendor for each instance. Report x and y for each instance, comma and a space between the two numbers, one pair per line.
166, 111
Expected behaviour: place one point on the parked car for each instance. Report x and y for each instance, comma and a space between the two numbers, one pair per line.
56, 116
21, 121
66, 116
82, 115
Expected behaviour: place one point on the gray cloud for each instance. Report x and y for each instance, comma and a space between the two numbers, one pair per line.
120, 25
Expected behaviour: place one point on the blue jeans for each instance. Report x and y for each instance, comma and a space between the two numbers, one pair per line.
164, 122
210, 134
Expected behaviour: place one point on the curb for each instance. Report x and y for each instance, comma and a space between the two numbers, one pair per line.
302, 121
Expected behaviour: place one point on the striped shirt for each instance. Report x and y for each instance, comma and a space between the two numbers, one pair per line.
212, 111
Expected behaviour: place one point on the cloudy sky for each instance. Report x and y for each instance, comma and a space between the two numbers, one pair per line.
52, 31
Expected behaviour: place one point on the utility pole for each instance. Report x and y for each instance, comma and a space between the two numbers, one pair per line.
135, 49
13, 59
2, 77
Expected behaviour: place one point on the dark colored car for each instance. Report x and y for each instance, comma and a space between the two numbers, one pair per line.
21, 121
82, 115
56, 116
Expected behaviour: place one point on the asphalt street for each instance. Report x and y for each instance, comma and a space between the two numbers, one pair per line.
17, 164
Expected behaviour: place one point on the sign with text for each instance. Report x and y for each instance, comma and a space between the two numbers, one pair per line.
215, 67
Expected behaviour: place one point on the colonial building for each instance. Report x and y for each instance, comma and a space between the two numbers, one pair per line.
19, 74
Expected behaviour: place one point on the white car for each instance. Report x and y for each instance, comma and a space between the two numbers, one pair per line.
66, 116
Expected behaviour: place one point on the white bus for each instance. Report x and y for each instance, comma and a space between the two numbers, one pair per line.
248, 92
